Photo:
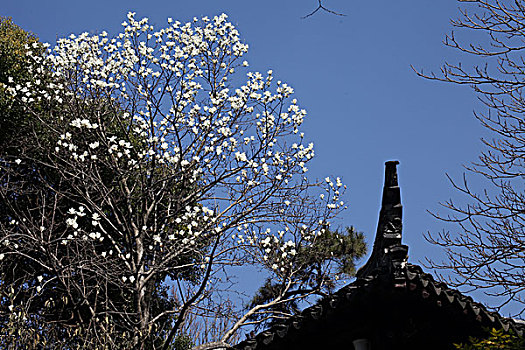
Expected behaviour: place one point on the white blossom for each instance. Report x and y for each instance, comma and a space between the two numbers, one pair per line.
212, 159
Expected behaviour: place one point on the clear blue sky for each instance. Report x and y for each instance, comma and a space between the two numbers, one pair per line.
365, 104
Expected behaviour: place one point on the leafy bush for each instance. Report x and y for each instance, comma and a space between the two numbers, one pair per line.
496, 339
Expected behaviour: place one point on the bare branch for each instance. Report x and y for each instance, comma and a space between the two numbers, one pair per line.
488, 250
321, 7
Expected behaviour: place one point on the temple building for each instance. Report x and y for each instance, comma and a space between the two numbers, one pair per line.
391, 305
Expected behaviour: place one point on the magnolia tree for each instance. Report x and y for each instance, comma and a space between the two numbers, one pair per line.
152, 166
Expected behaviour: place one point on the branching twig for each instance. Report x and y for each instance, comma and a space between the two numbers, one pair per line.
321, 7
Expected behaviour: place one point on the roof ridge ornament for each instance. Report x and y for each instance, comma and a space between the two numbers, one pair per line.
389, 255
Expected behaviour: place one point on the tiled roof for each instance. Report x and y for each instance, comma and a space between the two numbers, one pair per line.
386, 271
417, 283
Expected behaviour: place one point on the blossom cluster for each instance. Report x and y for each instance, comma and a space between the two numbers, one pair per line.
230, 159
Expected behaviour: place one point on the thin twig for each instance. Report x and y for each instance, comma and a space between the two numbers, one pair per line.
321, 7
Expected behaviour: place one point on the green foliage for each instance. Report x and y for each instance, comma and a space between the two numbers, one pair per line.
13, 64
12, 48
339, 250
497, 339
342, 249
182, 342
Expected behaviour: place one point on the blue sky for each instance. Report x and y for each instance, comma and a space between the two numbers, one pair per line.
352, 74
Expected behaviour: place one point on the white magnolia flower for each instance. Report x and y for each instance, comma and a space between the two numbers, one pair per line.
247, 139
72, 222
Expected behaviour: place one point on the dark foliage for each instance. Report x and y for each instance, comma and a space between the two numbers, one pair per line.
341, 250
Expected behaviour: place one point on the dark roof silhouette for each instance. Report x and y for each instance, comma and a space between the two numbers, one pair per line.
389, 295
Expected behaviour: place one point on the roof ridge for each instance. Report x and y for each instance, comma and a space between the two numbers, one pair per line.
389, 255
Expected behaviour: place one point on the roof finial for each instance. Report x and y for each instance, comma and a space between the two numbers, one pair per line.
389, 227
391, 173
391, 193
